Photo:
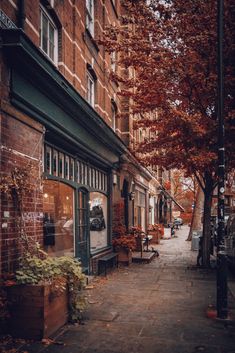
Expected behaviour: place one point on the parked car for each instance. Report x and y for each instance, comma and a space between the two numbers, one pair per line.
178, 221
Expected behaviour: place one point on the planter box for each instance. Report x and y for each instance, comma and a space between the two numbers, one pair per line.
156, 236
36, 311
124, 256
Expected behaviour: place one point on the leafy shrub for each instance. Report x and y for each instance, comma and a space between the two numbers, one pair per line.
63, 272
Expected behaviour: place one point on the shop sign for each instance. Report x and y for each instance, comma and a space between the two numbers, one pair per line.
5, 21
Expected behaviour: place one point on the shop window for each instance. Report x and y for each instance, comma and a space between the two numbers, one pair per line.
71, 167
48, 156
61, 165
55, 163
48, 35
90, 16
98, 221
67, 167
58, 218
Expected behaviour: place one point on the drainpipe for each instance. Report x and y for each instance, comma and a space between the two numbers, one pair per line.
21, 14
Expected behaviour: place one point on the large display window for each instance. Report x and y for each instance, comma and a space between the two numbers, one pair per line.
58, 218
98, 221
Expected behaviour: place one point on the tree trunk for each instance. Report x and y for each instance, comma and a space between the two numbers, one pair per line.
196, 223
207, 221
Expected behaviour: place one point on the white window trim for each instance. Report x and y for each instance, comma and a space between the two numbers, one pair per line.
114, 116
90, 19
90, 100
45, 12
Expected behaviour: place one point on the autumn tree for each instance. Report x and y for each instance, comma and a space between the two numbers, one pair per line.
169, 49
183, 191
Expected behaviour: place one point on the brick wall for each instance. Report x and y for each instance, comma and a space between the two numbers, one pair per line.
76, 49
21, 136
21, 147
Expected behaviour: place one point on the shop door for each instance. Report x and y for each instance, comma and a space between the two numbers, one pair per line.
83, 247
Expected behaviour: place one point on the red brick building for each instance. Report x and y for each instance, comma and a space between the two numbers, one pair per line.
58, 116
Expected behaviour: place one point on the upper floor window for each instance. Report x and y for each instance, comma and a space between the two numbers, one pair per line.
90, 90
113, 59
90, 16
114, 115
48, 36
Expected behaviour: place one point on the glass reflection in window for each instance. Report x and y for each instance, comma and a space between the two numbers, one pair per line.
58, 218
98, 221
67, 167
48, 159
55, 162
61, 165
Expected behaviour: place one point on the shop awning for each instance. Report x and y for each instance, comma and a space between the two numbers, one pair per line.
169, 196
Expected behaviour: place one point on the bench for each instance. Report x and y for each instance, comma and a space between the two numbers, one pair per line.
106, 260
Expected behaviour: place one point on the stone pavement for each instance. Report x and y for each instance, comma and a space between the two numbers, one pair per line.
158, 307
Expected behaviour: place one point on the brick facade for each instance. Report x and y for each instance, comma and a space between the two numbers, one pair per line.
22, 135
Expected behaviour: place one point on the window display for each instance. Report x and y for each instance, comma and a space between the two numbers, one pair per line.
98, 221
58, 218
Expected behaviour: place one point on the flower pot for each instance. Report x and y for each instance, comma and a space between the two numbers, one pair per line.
36, 311
156, 236
124, 256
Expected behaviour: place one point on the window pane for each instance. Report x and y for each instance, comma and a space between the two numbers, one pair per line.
82, 172
90, 176
98, 220
48, 35
48, 160
61, 165
55, 163
58, 220
78, 171
72, 169
67, 167
51, 41
93, 178
44, 33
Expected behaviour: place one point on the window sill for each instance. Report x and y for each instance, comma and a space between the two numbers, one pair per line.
55, 63
88, 38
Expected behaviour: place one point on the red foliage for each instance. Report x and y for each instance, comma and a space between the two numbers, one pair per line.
171, 48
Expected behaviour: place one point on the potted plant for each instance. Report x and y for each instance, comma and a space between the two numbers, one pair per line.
157, 231
124, 244
43, 292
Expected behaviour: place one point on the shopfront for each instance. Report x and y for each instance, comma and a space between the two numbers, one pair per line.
80, 152
75, 206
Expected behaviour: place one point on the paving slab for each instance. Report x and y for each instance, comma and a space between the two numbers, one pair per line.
159, 307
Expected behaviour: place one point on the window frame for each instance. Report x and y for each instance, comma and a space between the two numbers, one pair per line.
90, 17
90, 89
54, 58
114, 115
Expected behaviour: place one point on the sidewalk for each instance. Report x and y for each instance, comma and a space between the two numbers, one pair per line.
150, 308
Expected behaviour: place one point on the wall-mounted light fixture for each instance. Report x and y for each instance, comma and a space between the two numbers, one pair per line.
131, 196
114, 179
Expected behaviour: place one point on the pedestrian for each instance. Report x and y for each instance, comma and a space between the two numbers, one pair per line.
172, 229
199, 256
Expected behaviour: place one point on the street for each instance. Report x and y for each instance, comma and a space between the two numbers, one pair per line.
158, 307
